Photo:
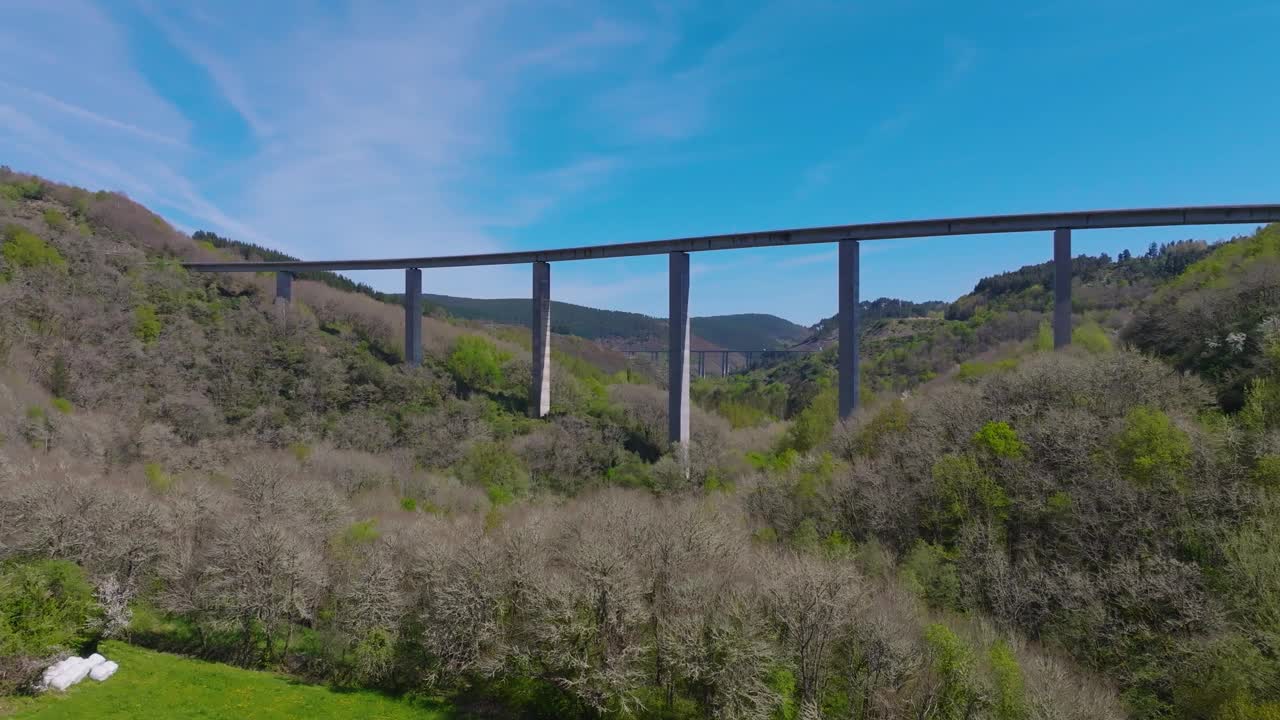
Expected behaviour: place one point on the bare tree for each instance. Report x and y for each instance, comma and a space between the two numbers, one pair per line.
812, 602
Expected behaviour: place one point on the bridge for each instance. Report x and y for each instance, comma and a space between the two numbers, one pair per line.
699, 365
848, 237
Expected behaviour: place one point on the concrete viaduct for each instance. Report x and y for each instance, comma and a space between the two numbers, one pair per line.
848, 237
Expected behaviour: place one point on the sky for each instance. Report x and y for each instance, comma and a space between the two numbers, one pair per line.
359, 129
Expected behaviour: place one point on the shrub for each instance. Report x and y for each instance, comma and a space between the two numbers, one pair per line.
1091, 337
476, 363
1224, 678
773, 462
929, 572
62, 405
1152, 450
632, 472
1000, 440
408, 504
813, 426
891, 421
55, 220
805, 536
975, 369
22, 249
22, 190
146, 323
301, 452
956, 694
1266, 472
1044, 337
742, 415
1261, 409
361, 532
157, 479
1010, 702
496, 469
963, 492
46, 608
60, 377
38, 429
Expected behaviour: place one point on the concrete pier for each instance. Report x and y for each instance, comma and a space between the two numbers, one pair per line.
540, 383
1061, 288
284, 287
848, 328
678, 354
413, 317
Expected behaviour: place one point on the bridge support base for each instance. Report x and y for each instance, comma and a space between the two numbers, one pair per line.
540, 384
848, 328
678, 355
413, 317
1061, 288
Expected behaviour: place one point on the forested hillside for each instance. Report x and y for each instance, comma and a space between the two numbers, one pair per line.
906, 344
186, 466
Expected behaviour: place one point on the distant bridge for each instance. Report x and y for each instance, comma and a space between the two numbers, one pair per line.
699, 365
848, 237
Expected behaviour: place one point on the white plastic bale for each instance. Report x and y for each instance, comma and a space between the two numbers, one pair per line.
73, 672
104, 671
65, 673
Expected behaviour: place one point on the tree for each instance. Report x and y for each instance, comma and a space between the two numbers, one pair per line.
812, 601
476, 363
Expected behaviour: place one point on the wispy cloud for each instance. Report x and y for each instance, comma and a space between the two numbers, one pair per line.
384, 127
390, 129
78, 112
227, 78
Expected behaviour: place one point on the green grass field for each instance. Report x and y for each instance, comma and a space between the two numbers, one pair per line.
158, 685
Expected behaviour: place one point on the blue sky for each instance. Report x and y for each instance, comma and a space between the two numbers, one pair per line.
359, 129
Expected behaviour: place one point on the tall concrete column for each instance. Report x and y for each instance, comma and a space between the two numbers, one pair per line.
284, 287
413, 317
848, 328
678, 353
540, 386
1061, 288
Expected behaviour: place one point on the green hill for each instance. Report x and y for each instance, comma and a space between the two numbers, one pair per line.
152, 684
905, 344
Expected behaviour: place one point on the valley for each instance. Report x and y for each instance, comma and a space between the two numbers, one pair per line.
1000, 531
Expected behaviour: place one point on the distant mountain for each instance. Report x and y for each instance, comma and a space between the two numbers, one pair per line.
870, 312
622, 330
627, 329
749, 331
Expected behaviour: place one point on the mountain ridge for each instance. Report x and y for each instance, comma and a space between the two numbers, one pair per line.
617, 328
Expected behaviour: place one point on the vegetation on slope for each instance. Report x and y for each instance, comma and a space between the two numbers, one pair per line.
1098, 505
1219, 319
905, 344
1054, 535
